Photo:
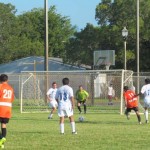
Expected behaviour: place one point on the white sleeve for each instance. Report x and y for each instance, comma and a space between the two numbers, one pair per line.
48, 92
143, 90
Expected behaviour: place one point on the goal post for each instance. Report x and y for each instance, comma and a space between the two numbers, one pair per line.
95, 82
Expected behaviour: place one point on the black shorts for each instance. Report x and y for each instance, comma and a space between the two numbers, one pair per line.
4, 120
82, 102
134, 108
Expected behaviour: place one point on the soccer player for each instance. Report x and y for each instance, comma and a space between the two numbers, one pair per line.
146, 91
131, 103
65, 99
51, 99
81, 97
111, 94
6, 99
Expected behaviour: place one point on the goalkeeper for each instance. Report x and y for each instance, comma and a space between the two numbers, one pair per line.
81, 97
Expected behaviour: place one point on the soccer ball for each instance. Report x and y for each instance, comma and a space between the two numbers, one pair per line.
81, 118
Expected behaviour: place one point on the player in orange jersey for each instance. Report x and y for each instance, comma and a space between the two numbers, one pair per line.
131, 103
6, 99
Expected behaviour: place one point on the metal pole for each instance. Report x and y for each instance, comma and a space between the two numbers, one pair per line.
125, 62
137, 46
46, 47
46, 36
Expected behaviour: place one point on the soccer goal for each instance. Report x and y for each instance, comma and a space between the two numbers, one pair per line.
95, 82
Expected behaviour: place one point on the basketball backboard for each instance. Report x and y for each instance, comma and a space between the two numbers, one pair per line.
104, 57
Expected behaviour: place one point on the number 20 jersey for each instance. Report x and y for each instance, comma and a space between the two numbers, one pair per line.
6, 99
64, 95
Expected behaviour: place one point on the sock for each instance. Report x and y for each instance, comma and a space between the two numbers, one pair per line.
79, 108
4, 132
51, 115
73, 126
84, 107
139, 118
62, 128
146, 114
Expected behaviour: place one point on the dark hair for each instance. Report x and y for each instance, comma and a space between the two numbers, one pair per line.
53, 83
147, 80
125, 88
3, 77
65, 81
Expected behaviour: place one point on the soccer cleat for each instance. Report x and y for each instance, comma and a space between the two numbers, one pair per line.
2, 141
140, 122
62, 133
50, 117
2, 146
74, 132
146, 121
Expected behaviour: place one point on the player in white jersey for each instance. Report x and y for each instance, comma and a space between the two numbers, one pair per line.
111, 94
146, 91
65, 99
51, 99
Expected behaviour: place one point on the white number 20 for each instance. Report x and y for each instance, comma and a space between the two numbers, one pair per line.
7, 94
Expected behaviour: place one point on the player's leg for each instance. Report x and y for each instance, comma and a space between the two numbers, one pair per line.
3, 131
61, 121
79, 106
72, 123
137, 114
127, 113
84, 104
53, 105
69, 113
146, 114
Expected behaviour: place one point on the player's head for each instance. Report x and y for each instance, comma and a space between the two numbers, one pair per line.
54, 85
147, 81
126, 88
111, 84
80, 87
3, 78
65, 81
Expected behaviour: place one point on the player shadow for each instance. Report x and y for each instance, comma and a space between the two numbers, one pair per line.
105, 122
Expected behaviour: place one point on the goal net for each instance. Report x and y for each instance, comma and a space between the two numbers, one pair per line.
95, 82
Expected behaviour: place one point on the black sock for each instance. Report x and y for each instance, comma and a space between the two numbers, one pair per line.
79, 108
4, 132
139, 118
85, 108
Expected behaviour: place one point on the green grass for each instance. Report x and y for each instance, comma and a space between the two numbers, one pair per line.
99, 131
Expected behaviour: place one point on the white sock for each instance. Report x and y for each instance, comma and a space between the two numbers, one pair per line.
73, 126
146, 114
51, 115
62, 128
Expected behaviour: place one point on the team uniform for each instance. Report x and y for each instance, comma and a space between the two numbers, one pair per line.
51, 93
81, 96
6, 99
131, 102
64, 95
146, 91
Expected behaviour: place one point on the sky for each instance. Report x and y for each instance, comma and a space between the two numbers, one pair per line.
80, 12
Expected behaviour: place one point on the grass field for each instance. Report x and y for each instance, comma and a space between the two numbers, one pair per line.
99, 131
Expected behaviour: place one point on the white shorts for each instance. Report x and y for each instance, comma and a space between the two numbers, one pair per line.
147, 103
53, 104
62, 112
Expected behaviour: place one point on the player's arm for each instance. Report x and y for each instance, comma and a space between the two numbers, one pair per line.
72, 102
87, 94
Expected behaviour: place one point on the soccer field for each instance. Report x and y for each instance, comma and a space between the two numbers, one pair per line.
99, 131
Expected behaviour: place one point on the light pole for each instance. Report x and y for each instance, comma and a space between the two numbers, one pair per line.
125, 35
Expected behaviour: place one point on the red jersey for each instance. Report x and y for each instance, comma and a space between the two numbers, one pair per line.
130, 99
6, 99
